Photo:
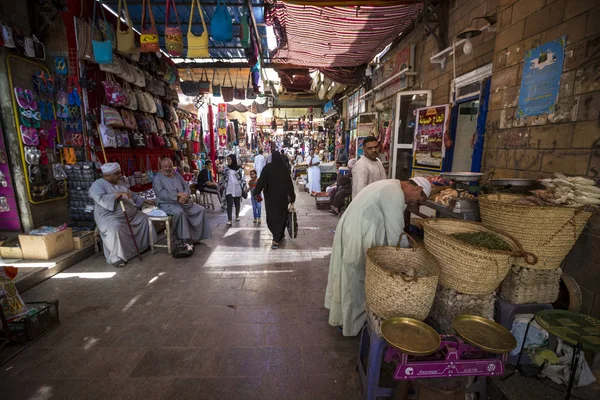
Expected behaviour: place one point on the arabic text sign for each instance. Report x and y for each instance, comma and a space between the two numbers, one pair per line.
541, 78
429, 137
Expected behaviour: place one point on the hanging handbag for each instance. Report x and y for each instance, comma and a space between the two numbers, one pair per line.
173, 35
160, 125
126, 38
245, 31
85, 51
190, 87
114, 93
142, 121
149, 36
40, 49
150, 103
128, 74
107, 135
29, 49
103, 51
128, 119
114, 67
221, 27
141, 101
7, 35
216, 89
148, 140
160, 113
204, 83
227, 91
197, 45
158, 141
138, 140
239, 93
111, 117
139, 78
250, 93
152, 127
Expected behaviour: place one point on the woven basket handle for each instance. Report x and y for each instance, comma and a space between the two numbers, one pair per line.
412, 242
529, 258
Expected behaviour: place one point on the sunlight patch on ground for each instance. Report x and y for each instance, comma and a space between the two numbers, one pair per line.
131, 302
251, 272
224, 256
85, 275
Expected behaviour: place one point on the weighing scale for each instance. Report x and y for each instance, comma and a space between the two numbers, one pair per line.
461, 182
479, 348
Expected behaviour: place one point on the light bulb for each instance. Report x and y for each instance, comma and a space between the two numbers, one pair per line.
468, 47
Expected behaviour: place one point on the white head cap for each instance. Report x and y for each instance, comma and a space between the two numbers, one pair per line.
110, 168
424, 183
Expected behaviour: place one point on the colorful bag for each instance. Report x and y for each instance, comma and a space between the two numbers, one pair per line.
148, 140
126, 38
132, 104
221, 27
128, 119
250, 94
197, 45
216, 89
204, 83
173, 35
149, 37
107, 135
158, 141
152, 128
160, 113
103, 51
245, 31
142, 121
239, 93
111, 117
160, 124
227, 91
138, 140
114, 93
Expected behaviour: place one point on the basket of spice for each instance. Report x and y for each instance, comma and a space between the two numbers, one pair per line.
548, 231
473, 259
400, 282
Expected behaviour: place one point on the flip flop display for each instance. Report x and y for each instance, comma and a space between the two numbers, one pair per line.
30, 136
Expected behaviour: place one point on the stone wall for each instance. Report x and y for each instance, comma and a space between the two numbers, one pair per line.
567, 140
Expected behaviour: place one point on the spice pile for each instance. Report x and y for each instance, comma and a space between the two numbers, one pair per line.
483, 239
564, 191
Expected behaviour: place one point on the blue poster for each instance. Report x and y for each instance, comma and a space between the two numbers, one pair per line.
541, 78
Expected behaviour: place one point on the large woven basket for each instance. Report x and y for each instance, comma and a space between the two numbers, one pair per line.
400, 282
546, 231
464, 267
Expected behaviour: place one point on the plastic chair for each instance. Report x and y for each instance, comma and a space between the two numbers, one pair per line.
372, 348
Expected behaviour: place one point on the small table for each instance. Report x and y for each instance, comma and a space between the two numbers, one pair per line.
579, 330
167, 221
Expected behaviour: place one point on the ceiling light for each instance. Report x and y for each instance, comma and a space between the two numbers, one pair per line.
473, 31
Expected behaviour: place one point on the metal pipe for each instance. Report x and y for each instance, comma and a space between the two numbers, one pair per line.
387, 81
447, 49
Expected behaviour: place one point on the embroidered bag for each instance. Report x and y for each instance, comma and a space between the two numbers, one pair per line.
159, 109
197, 45
128, 119
216, 89
148, 140
111, 117
107, 135
160, 124
173, 35
132, 104
142, 121
103, 50
126, 38
114, 93
221, 27
149, 37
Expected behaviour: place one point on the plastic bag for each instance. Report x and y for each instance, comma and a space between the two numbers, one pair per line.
13, 305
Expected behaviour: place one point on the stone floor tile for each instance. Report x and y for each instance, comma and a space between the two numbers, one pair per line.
178, 362
324, 359
231, 389
284, 334
234, 335
46, 389
288, 387
200, 315
123, 389
242, 361
265, 314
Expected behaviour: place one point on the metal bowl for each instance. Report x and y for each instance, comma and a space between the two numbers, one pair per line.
484, 333
412, 337
462, 176
515, 182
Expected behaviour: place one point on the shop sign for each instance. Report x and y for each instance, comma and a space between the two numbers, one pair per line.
400, 61
428, 146
541, 79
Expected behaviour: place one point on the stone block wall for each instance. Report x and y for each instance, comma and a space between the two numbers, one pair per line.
567, 140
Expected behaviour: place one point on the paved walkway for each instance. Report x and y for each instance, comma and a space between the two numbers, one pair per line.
235, 321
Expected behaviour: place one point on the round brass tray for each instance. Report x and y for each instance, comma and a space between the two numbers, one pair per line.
413, 337
484, 333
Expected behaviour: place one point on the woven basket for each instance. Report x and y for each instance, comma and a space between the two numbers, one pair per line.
463, 267
546, 231
526, 285
400, 282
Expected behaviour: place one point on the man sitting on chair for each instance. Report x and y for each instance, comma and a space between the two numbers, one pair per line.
206, 180
108, 193
173, 197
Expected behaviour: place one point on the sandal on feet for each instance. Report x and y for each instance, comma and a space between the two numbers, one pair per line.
237, 218
119, 264
228, 223
274, 245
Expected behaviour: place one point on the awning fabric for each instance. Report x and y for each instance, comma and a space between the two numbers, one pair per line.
334, 36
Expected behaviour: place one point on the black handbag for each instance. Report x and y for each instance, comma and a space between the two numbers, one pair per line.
190, 87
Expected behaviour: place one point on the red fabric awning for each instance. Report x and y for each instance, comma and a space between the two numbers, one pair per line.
334, 36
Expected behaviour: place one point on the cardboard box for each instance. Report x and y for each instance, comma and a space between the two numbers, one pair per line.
83, 239
10, 249
47, 247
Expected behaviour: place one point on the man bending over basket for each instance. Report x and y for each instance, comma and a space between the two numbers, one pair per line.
374, 218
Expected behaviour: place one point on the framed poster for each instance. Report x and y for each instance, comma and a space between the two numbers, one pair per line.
359, 146
541, 79
428, 145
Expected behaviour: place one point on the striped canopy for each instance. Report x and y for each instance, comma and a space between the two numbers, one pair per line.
324, 37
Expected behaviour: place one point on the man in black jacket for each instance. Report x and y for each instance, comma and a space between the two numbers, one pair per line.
206, 180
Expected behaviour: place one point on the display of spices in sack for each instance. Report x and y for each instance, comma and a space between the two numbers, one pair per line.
13, 305
483, 239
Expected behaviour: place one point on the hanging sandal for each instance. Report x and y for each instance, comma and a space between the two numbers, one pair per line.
4, 207
30, 99
3, 181
60, 66
30, 136
20, 97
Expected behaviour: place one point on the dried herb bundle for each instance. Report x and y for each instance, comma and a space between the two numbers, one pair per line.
483, 239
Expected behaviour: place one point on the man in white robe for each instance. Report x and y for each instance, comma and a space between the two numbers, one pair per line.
368, 169
259, 163
117, 242
173, 197
314, 173
374, 218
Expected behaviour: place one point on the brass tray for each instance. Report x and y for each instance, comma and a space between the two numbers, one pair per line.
413, 337
484, 333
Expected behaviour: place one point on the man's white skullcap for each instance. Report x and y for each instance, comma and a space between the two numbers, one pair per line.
110, 168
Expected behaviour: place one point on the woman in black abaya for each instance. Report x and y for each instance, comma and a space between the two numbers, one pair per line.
278, 188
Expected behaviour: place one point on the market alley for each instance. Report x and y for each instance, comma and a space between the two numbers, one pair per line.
236, 320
